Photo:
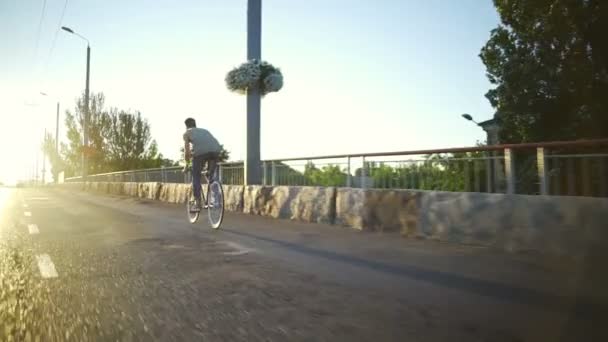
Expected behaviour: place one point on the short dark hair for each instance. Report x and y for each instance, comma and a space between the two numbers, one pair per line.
190, 122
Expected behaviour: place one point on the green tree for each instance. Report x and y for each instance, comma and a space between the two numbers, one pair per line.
73, 150
118, 140
329, 175
548, 61
51, 153
129, 144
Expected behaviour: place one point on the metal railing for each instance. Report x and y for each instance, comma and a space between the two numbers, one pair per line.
576, 168
230, 173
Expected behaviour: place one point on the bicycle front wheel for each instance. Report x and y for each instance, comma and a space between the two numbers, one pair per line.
215, 209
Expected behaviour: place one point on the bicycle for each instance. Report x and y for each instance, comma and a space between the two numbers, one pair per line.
215, 209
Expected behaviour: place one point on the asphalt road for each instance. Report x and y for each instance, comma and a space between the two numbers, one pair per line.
79, 267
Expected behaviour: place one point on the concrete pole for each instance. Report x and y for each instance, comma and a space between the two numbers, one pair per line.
44, 159
36, 170
254, 51
85, 127
57, 131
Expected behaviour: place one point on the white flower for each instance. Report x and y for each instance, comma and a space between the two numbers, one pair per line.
254, 73
273, 82
243, 77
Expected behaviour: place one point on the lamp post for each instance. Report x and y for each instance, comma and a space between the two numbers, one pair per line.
254, 51
491, 127
56, 133
56, 125
85, 125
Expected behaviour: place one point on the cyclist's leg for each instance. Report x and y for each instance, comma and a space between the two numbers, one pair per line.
197, 167
211, 168
212, 165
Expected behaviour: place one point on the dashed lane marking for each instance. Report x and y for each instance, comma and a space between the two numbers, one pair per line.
33, 229
46, 266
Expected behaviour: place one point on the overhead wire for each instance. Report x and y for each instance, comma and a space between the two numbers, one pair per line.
40, 28
52, 49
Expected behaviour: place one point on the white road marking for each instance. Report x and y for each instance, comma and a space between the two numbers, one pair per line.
27, 213
46, 266
33, 229
24, 205
240, 249
38, 198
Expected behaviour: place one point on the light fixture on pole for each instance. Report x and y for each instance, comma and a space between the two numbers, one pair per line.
86, 104
469, 117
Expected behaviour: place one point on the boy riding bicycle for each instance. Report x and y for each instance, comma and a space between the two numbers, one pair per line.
201, 147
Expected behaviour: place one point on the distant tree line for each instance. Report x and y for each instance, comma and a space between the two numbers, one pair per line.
118, 140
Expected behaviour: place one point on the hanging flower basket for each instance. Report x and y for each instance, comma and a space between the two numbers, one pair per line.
254, 73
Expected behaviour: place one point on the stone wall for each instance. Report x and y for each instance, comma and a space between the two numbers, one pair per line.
379, 210
551, 224
233, 197
302, 203
556, 225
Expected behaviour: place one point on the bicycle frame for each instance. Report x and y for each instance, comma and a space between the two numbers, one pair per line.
205, 174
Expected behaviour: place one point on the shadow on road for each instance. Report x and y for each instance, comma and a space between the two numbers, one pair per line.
584, 308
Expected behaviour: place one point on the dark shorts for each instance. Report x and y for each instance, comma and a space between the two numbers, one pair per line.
207, 160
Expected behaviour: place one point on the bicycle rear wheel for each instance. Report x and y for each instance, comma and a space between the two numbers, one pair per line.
215, 207
192, 215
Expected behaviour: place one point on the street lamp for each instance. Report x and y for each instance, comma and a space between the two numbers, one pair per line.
56, 126
491, 127
86, 104
469, 117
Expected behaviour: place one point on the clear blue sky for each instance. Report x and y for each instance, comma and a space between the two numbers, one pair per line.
360, 75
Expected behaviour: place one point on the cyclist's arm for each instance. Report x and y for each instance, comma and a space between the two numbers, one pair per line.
187, 152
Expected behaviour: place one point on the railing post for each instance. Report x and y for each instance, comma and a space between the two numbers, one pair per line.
510, 170
467, 179
586, 174
603, 176
264, 173
557, 184
274, 174
349, 181
476, 176
571, 178
542, 166
363, 173
489, 172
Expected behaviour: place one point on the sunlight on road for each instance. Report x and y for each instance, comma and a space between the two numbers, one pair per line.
5, 194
